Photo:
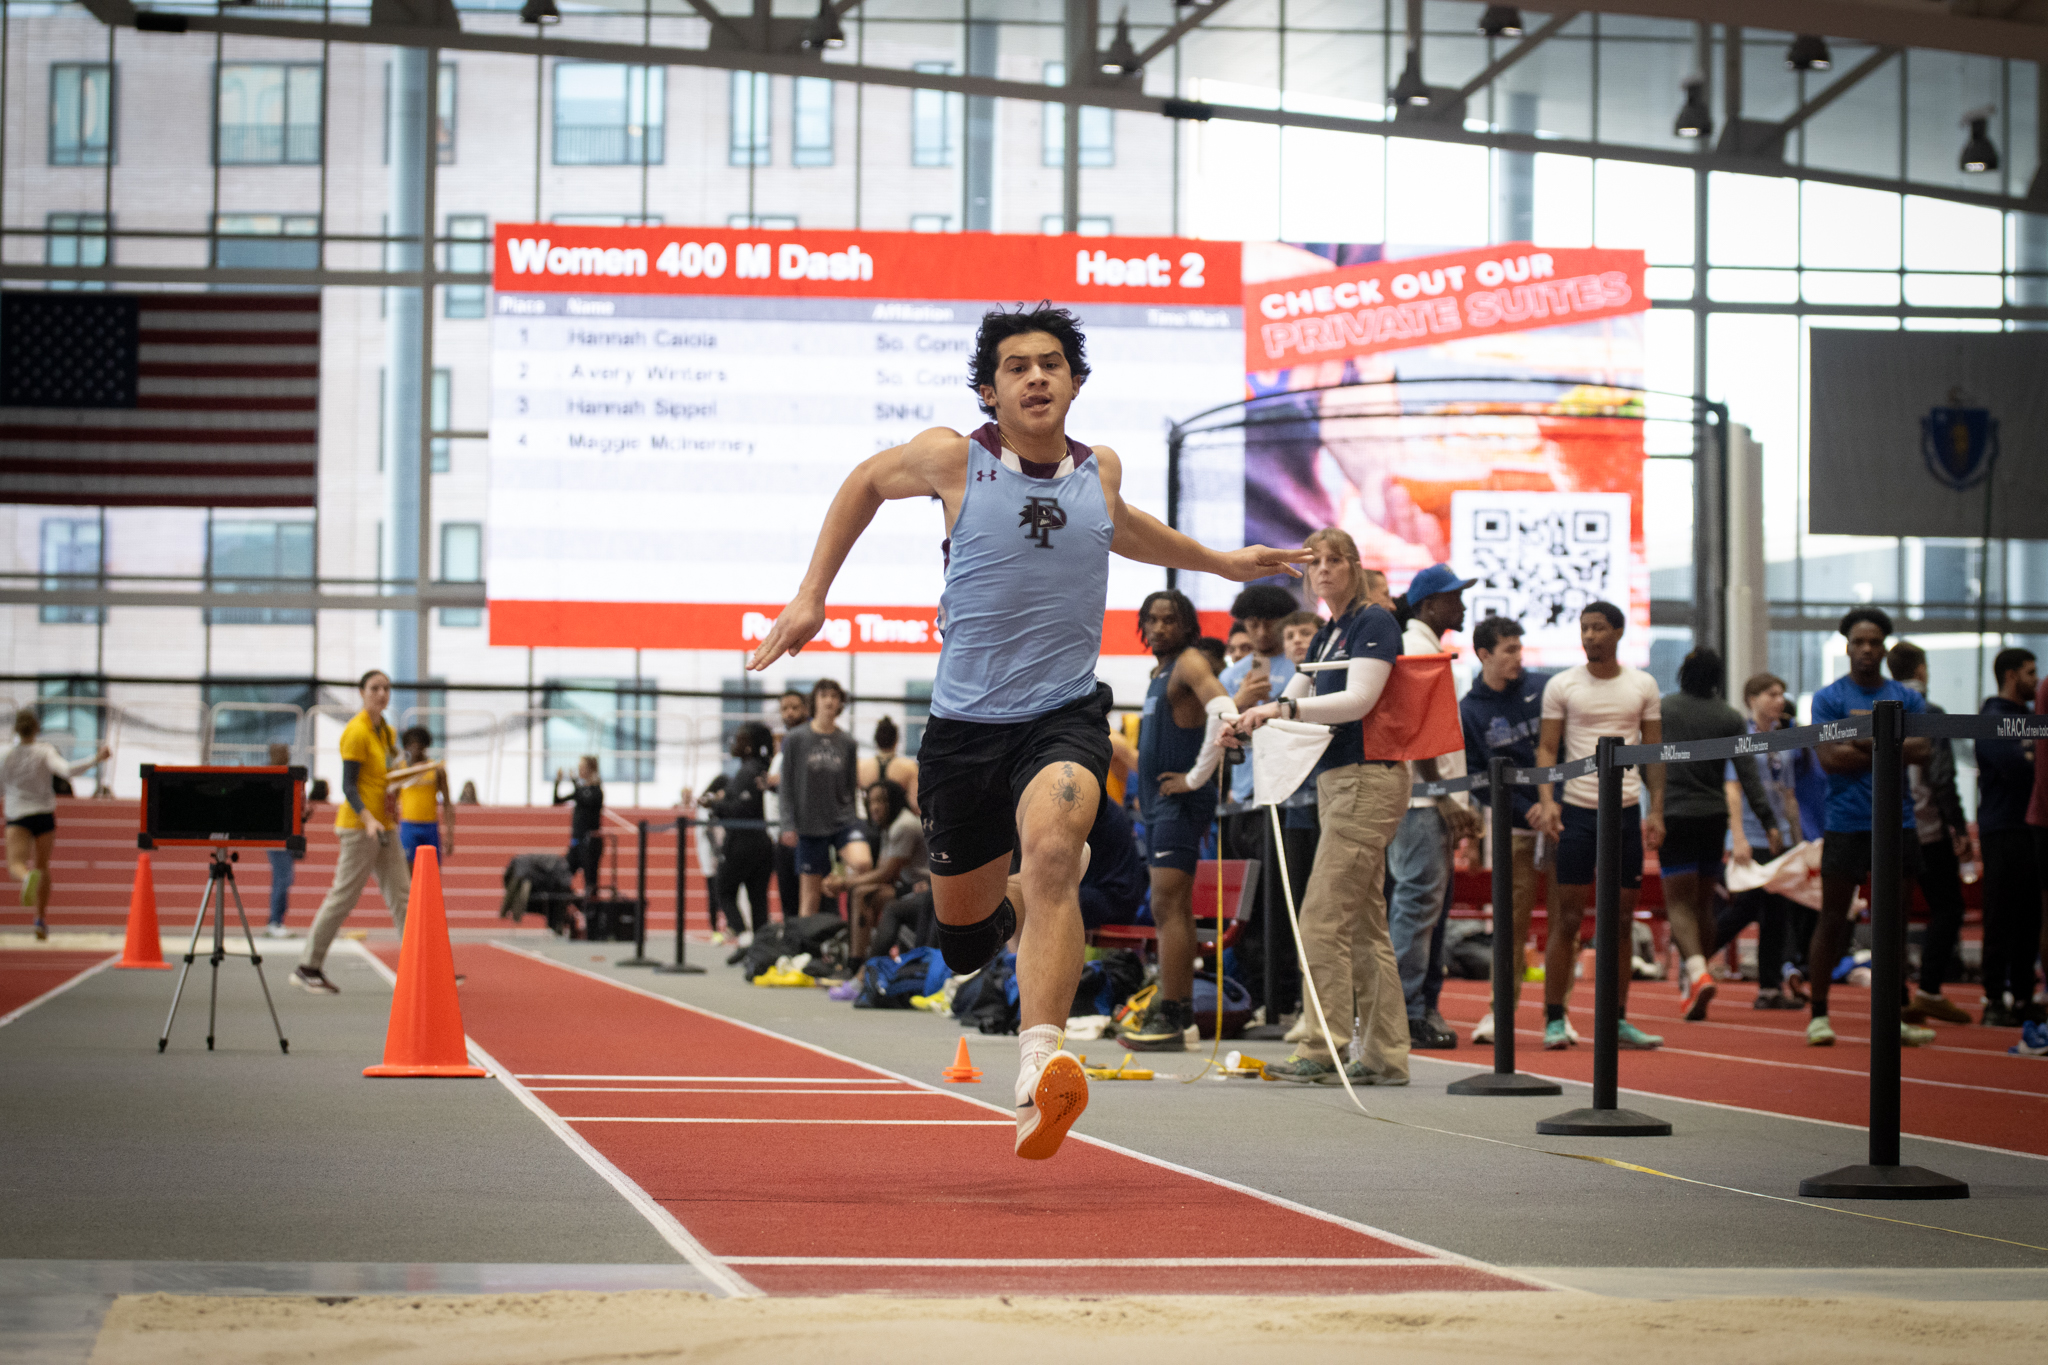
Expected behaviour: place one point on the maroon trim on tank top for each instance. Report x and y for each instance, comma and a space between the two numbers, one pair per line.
991, 440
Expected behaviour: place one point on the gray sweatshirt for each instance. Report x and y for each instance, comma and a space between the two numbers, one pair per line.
1693, 790
819, 777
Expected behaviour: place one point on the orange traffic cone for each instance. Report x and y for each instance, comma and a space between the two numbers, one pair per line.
143, 950
424, 1037
963, 1068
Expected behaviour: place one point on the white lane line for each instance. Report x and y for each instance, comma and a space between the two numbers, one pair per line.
1335, 1220
840, 1123
897, 1092
1735, 1108
663, 1222
51, 994
1737, 1060
1089, 1262
749, 1080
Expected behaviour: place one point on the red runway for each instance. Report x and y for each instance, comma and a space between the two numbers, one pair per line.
1964, 1087
809, 1173
26, 973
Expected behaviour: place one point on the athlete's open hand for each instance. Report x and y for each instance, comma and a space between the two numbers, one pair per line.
1261, 561
793, 629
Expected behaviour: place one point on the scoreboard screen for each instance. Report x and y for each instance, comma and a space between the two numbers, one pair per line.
674, 408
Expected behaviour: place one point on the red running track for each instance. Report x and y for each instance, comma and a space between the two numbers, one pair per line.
27, 973
1964, 1087
809, 1173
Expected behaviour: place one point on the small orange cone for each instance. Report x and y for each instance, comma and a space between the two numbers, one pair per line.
963, 1068
143, 951
424, 1037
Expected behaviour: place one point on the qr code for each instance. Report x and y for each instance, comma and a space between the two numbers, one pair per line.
1539, 558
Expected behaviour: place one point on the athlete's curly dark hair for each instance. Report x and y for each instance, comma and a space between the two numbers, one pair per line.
1002, 324
1183, 610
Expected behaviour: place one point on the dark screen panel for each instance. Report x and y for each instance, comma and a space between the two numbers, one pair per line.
221, 805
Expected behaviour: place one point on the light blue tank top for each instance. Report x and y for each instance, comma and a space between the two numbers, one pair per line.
1027, 579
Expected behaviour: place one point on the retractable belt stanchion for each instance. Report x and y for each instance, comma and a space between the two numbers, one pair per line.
1503, 1079
1883, 1177
640, 957
681, 966
1605, 1118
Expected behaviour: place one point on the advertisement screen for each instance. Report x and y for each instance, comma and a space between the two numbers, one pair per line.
1479, 408
673, 410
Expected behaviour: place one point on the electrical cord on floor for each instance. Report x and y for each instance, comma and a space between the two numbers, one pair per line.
1309, 986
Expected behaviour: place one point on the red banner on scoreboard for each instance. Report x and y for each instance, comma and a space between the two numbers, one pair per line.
723, 626
555, 258
1391, 305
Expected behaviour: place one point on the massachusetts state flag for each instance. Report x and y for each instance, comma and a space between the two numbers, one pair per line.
159, 400
1417, 714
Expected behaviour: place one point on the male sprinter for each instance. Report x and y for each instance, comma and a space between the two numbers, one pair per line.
1502, 716
1602, 696
1015, 753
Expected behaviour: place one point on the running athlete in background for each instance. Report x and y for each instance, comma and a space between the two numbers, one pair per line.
1014, 757
28, 778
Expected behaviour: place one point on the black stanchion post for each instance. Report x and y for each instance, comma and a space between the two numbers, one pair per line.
1884, 1177
1606, 1118
1269, 929
1503, 1079
681, 966
640, 957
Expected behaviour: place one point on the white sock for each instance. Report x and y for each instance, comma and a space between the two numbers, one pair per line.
1035, 1047
1695, 967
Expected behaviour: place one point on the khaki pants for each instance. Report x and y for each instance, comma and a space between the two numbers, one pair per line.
1344, 914
362, 857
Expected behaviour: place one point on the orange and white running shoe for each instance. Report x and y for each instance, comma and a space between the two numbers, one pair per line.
1057, 1097
1699, 995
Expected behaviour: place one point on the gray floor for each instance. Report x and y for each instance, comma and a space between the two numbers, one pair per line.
247, 1171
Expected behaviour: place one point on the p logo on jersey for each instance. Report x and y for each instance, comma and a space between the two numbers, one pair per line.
1040, 518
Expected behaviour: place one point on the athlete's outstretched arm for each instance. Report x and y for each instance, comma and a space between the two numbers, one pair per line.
1145, 538
918, 468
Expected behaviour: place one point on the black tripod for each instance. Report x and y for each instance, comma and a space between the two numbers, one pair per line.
220, 879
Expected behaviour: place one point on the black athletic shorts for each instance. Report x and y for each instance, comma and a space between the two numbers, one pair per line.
1578, 848
1846, 853
970, 776
37, 825
1694, 843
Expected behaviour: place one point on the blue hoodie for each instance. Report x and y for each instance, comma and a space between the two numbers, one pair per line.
1504, 724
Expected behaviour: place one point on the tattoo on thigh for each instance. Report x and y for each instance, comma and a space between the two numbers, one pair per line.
1069, 791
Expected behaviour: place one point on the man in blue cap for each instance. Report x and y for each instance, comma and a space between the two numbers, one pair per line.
1419, 859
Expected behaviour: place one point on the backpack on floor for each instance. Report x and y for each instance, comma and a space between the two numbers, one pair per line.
1237, 1007
988, 999
813, 934
889, 983
1107, 982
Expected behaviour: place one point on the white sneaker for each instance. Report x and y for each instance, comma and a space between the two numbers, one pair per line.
1483, 1033
1053, 1100
277, 931
1298, 1031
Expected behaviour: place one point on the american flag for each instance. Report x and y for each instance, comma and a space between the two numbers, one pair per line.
159, 400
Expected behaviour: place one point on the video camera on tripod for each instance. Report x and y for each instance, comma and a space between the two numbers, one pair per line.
224, 809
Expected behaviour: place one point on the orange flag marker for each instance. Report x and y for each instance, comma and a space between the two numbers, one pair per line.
144, 951
424, 1037
963, 1068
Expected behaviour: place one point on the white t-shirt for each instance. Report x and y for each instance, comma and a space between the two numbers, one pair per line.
1591, 707
25, 779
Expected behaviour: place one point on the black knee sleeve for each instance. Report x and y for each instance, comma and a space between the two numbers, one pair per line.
970, 947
